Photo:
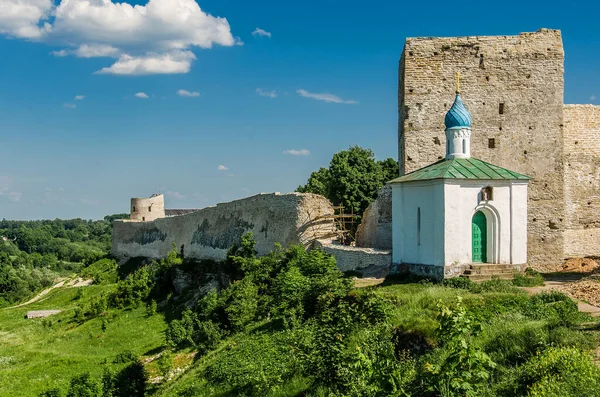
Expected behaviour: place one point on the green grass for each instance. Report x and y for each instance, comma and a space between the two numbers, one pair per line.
35, 356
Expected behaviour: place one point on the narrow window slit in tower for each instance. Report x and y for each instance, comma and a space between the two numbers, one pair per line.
501, 108
418, 225
491, 143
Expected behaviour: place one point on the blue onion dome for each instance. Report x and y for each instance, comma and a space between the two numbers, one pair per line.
458, 116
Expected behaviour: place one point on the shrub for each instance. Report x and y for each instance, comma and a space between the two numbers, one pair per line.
559, 372
131, 381
165, 364
290, 288
125, 357
51, 393
464, 369
512, 339
531, 278
555, 307
241, 303
459, 282
83, 385
151, 308
255, 365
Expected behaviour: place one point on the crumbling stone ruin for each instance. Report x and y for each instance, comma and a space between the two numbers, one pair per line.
514, 88
295, 218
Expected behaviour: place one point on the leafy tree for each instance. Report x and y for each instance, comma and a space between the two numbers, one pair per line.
352, 179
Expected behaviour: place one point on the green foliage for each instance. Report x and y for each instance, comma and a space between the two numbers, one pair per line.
51, 393
255, 365
352, 179
241, 303
531, 278
103, 271
131, 381
151, 308
165, 364
464, 369
558, 372
84, 385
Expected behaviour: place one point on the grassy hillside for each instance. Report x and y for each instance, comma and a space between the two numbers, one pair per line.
290, 324
41, 354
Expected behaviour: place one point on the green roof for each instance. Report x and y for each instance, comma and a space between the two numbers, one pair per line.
470, 168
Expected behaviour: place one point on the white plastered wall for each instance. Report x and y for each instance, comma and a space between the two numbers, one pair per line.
407, 246
506, 216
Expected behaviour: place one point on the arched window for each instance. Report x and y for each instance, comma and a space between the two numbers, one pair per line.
418, 225
487, 193
464, 144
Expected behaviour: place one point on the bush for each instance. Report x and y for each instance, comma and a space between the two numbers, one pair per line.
531, 278
83, 385
131, 381
255, 365
459, 282
51, 393
125, 357
463, 369
241, 303
512, 339
559, 372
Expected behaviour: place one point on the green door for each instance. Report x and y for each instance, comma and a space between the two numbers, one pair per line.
479, 238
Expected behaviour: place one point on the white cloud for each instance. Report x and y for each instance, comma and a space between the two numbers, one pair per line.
593, 98
270, 94
187, 93
25, 19
222, 168
260, 32
175, 195
79, 97
90, 51
300, 152
6, 189
325, 97
173, 62
135, 34
142, 95
69, 105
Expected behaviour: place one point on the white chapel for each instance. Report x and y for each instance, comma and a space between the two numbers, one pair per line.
458, 211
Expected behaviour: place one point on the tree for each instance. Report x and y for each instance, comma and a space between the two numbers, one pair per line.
352, 179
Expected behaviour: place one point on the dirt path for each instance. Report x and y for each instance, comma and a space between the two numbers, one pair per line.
62, 282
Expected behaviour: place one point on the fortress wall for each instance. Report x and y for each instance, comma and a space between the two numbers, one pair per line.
582, 180
375, 229
208, 233
524, 73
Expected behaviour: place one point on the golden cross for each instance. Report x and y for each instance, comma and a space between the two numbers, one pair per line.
458, 76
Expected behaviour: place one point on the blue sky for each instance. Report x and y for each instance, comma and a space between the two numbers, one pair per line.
76, 141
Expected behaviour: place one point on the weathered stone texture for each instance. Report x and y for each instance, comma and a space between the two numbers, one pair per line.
369, 262
582, 180
522, 74
208, 233
375, 230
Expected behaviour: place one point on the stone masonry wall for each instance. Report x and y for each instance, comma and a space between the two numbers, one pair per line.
293, 218
582, 180
375, 229
518, 76
369, 262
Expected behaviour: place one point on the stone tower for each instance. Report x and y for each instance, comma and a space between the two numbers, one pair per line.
515, 87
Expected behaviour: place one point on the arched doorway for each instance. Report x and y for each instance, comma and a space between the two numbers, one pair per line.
479, 238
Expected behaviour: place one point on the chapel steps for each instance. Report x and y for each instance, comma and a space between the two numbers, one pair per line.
485, 271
